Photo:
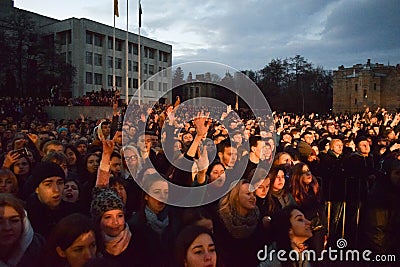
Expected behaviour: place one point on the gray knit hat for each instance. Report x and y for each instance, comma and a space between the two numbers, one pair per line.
104, 199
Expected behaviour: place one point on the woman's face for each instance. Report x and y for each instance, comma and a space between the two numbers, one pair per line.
10, 226
279, 182
82, 250
300, 226
6, 184
21, 167
71, 157
159, 190
112, 222
92, 163
70, 192
306, 176
218, 174
263, 188
247, 199
201, 253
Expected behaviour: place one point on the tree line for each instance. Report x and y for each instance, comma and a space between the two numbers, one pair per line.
30, 62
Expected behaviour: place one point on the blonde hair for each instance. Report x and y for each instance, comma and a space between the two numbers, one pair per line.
8, 174
230, 202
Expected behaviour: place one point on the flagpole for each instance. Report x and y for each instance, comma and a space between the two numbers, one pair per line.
113, 66
139, 59
126, 57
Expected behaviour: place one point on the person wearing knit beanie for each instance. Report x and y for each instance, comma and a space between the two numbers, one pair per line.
104, 199
46, 170
48, 182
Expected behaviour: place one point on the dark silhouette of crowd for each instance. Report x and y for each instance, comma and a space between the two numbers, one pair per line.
97, 192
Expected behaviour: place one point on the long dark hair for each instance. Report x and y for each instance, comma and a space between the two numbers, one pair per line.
298, 188
185, 239
64, 234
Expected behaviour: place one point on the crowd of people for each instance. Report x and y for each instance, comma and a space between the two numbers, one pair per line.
98, 192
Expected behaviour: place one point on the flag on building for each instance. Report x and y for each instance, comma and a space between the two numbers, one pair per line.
116, 13
140, 15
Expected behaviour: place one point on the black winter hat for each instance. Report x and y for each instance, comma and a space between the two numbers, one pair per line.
45, 170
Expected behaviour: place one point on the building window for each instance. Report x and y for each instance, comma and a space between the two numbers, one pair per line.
135, 83
145, 68
98, 40
89, 78
151, 53
151, 85
110, 62
160, 55
98, 60
356, 87
118, 63
355, 101
129, 65
89, 58
365, 94
135, 49
165, 87
129, 83
110, 43
98, 79
118, 81
159, 86
375, 86
146, 52
151, 69
118, 45
89, 39
63, 38
109, 80
165, 57
135, 66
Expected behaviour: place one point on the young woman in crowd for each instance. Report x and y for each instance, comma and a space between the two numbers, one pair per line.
237, 226
108, 212
22, 169
307, 194
72, 243
8, 182
19, 245
71, 190
292, 230
155, 220
87, 177
278, 196
74, 158
195, 247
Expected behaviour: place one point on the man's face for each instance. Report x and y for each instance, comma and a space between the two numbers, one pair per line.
82, 149
55, 148
228, 157
106, 129
309, 138
187, 139
115, 165
237, 138
337, 147
50, 191
257, 150
364, 148
144, 142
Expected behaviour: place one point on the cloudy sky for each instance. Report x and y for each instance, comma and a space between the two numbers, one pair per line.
248, 34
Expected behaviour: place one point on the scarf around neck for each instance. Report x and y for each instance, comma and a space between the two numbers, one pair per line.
157, 222
239, 226
116, 245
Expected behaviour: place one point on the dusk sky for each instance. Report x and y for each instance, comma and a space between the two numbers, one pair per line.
248, 34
